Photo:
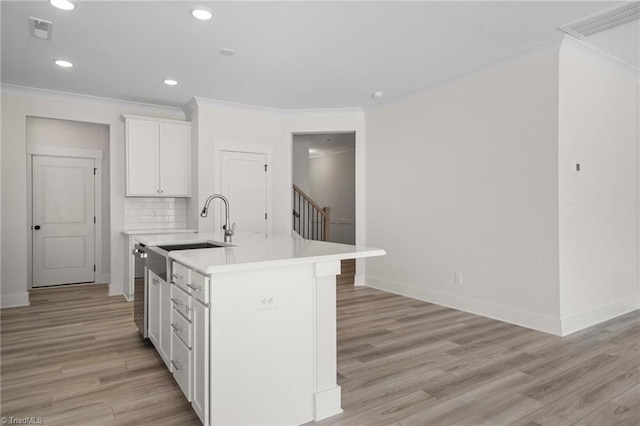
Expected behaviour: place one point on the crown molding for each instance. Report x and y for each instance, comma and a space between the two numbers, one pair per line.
578, 48
347, 111
548, 47
77, 97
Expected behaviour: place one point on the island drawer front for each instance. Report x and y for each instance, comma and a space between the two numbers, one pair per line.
181, 301
180, 276
181, 362
199, 287
181, 328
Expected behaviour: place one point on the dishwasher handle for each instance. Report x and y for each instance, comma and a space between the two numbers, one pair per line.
139, 252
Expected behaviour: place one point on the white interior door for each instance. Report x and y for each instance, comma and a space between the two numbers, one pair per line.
63, 220
243, 181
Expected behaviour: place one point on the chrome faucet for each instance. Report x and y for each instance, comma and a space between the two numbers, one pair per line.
228, 230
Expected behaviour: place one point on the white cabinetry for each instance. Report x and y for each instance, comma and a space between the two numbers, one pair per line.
200, 352
158, 157
190, 336
159, 315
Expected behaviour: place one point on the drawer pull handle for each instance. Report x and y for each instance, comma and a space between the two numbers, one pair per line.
177, 365
177, 302
194, 287
177, 276
177, 328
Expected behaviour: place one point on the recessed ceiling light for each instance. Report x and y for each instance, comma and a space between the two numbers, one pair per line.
228, 51
201, 14
377, 95
63, 4
170, 82
62, 63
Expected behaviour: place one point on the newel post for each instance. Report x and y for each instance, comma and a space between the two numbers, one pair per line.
327, 220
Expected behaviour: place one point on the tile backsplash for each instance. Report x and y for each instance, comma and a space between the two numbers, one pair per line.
155, 213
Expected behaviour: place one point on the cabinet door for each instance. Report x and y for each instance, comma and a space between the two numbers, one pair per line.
142, 158
153, 311
165, 322
200, 395
175, 160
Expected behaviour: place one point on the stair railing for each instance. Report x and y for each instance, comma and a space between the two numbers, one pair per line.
309, 219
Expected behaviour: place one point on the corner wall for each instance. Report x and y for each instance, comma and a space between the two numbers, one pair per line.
463, 178
597, 205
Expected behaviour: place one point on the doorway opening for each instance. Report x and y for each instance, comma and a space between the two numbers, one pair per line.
324, 190
68, 181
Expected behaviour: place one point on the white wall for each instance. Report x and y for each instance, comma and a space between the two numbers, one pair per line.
598, 205
17, 105
222, 123
463, 178
301, 165
332, 178
73, 134
215, 123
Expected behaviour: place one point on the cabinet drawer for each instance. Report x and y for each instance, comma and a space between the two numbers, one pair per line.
199, 285
181, 302
181, 363
181, 328
180, 276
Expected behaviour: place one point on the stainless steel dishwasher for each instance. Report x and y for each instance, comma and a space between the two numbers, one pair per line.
146, 258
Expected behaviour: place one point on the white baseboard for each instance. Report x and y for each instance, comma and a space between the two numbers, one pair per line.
526, 319
583, 320
14, 300
116, 289
327, 403
359, 280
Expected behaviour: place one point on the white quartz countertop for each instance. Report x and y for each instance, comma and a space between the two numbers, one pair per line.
156, 231
252, 251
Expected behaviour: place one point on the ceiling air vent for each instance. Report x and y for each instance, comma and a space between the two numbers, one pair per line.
40, 28
609, 18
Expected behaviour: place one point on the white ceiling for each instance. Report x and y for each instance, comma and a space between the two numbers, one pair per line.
289, 54
326, 143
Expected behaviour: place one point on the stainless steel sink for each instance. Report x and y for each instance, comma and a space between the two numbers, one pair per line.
190, 246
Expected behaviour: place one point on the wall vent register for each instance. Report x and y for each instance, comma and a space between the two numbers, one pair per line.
40, 28
605, 20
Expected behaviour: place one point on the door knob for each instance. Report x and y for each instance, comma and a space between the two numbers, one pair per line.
36, 227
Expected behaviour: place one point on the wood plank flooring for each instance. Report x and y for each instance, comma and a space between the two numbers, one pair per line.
74, 358
407, 362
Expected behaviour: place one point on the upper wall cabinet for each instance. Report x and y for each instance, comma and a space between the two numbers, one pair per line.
158, 157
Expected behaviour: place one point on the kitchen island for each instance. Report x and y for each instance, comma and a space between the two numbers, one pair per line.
253, 326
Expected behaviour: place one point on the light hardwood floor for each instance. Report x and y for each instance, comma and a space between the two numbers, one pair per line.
74, 358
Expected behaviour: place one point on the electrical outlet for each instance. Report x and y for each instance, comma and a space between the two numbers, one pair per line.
457, 277
266, 302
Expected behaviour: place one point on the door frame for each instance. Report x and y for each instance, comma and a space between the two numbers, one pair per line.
51, 151
325, 128
249, 148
